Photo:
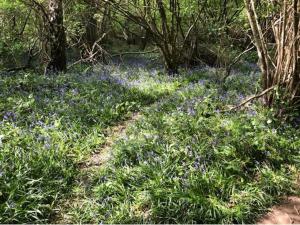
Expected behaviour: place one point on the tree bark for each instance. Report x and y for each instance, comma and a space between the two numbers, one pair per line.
259, 41
91, 25
56, 38
282, 69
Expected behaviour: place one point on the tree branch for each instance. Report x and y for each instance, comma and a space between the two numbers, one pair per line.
250, 99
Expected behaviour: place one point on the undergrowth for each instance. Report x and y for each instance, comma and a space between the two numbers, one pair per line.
184, 161
50, 124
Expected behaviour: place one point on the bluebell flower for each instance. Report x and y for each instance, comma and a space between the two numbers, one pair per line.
202, 168
62, 90
223, 97
103, 179
11, 204
189, 151
196, 165
241, 96
47, 146
198, 162
201, 82
139, 158
75, 91
191, 111
11, 116
252, 112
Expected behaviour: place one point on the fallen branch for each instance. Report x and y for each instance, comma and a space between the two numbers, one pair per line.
251, 99
134, 53
16, 69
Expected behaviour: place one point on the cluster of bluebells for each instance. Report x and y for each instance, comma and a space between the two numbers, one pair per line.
198, 69
46, 140
240, 98
130, 75
36, 122
189, 106
199, 163
223, 97
251, 112
148, 157
133, 61
10, 116
193, 86
75, 91
115, 76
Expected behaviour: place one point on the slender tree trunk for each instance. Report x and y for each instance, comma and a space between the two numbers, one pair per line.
105, 22
282, 69
171, 61
296, 49
91, 31
259, 41
91, 26
56, 38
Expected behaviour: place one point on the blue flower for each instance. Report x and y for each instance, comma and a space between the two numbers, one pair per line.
10, 116
47, 145
201, 82
191, 111
252, 112
75, 91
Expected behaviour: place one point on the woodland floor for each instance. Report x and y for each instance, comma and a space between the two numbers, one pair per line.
285, 212
96, 160
124, 143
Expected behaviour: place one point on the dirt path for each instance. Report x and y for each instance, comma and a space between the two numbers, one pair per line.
288, 212
89, 167
96, 161
100, 157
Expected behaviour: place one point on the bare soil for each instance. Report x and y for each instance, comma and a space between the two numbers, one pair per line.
103, 155
287, 212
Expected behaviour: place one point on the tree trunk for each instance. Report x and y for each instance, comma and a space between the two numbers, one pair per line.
56, 38
259, 42
280, 71
171, 61
106, 20
91, 31
91, 25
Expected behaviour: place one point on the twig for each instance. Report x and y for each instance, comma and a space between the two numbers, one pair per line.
235, 60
